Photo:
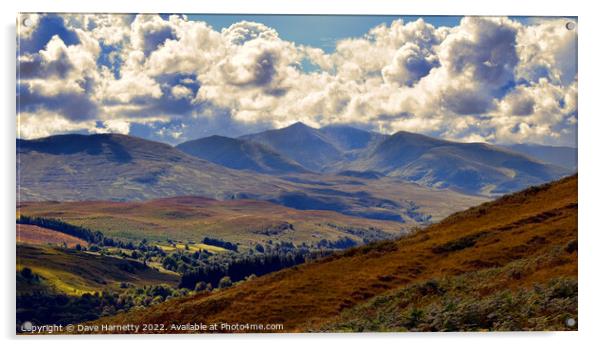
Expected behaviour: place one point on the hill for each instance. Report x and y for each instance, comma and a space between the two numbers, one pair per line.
190, 219
352, 141
75, 272
562, 156
240, 154
119, 167
475, 168
520, 250
36, 235
123, 168
301, 143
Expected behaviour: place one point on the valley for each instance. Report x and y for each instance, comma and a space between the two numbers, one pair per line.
518, 246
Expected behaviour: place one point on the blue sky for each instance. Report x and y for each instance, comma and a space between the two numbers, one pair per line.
320, 30
324, 30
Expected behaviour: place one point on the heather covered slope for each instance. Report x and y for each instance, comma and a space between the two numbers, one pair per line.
518, 249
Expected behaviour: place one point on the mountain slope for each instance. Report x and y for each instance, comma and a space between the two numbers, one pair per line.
351, 140
469, 167
562, 156
524, 240
305, 145
119, 167
240, 154
75, 272
123, 168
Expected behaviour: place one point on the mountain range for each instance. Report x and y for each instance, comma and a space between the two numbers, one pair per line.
120, 167
400, 177
123, 168
241, 154
563, 156
114, 166
474, 168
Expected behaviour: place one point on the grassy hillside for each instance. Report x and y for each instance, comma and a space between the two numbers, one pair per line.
74, 272
36, 235
121, 167
511, 263
66, 286
190, 219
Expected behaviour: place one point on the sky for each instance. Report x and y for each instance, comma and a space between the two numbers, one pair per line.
174, 78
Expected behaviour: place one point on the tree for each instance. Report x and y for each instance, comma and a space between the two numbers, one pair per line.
27, 273
200, 286
225, 282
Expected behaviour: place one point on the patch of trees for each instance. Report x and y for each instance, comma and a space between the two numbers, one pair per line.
370, 234
47, 307
220, 243
238, 269
341, 243
61, 226
274, 229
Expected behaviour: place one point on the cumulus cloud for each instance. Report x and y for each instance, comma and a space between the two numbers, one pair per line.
170, 78
409, 65
244, 31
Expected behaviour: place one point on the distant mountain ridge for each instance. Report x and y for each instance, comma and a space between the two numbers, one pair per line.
115, 166
301, 143
240, 154
475, 168
563, 156
470, 167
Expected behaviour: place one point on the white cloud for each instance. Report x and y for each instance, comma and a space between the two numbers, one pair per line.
181, 92
43, 124
487, 79
548, 49
241, 32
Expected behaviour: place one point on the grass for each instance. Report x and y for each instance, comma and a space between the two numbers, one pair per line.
75, 273
190, 219
36, 235
192, 247
521, 230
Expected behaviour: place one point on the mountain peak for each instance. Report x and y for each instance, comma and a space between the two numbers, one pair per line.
298, 125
